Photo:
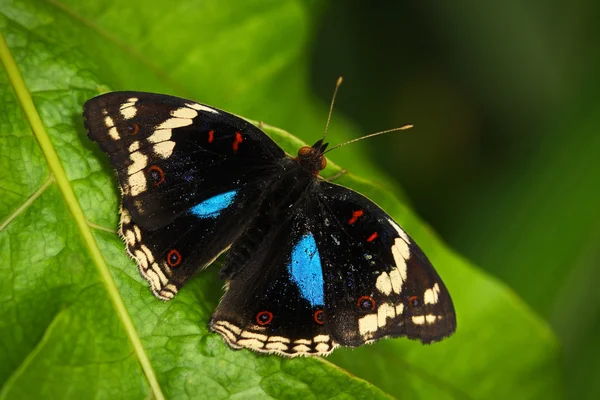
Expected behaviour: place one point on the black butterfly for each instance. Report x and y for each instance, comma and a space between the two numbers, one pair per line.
311, 265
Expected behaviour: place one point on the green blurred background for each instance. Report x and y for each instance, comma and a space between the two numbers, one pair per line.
504, 160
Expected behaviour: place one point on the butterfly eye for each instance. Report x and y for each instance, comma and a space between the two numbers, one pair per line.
323, 162
264, 318
366, 303
174, 258
133, 129
156, 174
319, 318
304, 151
414, 301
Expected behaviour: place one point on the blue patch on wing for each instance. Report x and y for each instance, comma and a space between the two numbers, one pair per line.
305, 269
211, 208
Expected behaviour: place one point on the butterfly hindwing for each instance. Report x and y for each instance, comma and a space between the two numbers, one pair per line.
274, 301
190, 177
378, 283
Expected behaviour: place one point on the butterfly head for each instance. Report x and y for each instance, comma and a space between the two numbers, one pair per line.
312, 158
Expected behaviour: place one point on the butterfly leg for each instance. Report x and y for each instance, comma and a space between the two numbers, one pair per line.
336, 176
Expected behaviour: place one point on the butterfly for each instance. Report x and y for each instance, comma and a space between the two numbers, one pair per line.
310, 266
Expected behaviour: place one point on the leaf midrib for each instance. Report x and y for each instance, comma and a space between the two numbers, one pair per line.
35, 122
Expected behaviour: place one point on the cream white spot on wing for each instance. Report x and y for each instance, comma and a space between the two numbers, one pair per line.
135, 146
171, 287
160, 135
418, 319
367, 325
252, 343
402, 247
138, 233
184, 112
252, 335
302, 341
301, 348
164, 149
431, 295
139, 162
321, 338
385, 311
202, 107
384, 283
401, 253
279, 339
165, 295
125, 217
276, 346
430, 318
129, 237
399, 309
141, 259
128, 110
322, 347
229, 326
173, 123
161, 275
221, 329
108, 121
400, 231
113, 133
153, 278
137, 183
146, 250
396, 280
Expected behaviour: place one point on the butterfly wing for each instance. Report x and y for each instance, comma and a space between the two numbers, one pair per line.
190, 175
327, 269
274, 301
378, 282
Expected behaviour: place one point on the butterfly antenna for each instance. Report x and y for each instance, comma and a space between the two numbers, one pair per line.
337, 86
402, 128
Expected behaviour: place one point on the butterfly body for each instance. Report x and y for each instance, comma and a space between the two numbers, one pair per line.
310, 266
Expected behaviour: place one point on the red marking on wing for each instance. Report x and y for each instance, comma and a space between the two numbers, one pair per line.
211, 136
366, 301
133, 129
237, 141
318, 316
413, 301
355, 215
157, 174
372, 237
264, 318
173, 258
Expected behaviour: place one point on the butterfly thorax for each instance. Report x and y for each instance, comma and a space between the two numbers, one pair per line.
311, 158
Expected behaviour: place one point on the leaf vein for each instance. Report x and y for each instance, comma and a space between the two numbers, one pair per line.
27, 203
54, 163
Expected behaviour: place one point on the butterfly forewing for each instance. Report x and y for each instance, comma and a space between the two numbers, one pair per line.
190, 175
378, 282
170, 153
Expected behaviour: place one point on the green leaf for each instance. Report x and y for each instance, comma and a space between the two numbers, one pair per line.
79, 321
